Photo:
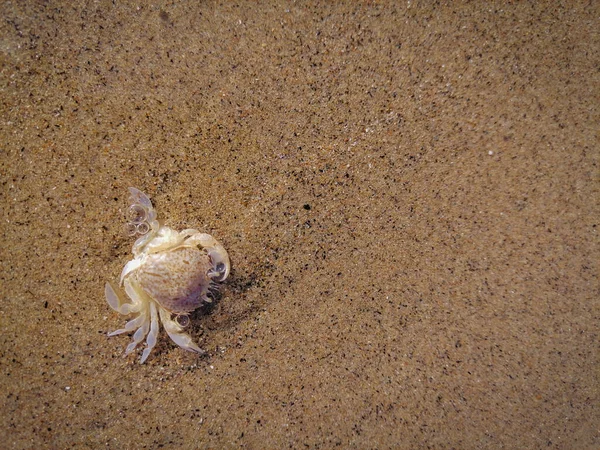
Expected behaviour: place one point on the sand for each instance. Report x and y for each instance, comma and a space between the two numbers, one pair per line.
408, 193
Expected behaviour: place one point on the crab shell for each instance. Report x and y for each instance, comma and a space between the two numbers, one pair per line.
172, 273
177, 279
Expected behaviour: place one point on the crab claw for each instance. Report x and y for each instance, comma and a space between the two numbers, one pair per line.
217, 254
175, 332
141, 213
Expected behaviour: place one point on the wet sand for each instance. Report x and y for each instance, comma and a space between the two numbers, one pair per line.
409, 196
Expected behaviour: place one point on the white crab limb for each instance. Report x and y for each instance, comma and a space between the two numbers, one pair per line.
175, 332
113, 299
187, 233
164, 239
117, 302
132, 265
130, 326
203, 239
140, 201
138, 198
153, 335
143, 319
217, 253
136, 295
139, 244
139, 335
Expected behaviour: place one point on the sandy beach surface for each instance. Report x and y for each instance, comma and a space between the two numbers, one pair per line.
409, 195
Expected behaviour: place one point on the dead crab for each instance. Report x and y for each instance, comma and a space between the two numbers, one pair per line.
170, 275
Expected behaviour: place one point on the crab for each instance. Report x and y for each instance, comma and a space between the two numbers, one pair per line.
171, 274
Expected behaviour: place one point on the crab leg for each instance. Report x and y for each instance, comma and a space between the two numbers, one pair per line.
217, 253
130, 326
139, 335
143, 320
152, 336
116, 301
132, 265
141, 203
175, 332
